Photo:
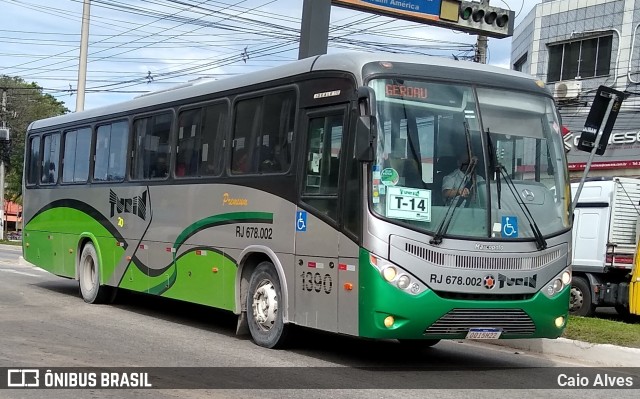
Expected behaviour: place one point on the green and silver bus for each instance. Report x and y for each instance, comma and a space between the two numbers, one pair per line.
375, 195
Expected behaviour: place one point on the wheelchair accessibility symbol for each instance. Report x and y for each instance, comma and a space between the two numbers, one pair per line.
301, 221
510, 226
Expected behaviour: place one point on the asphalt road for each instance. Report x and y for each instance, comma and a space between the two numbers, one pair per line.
44, 323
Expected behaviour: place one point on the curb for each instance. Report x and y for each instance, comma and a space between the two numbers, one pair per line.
598, 354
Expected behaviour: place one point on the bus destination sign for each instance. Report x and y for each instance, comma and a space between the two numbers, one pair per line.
415, 93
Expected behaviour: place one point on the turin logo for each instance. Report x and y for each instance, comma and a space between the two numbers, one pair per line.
136, 205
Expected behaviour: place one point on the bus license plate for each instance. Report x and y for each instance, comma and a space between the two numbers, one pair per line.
484, 333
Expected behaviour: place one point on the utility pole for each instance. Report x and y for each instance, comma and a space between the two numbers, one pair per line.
482, 49
4, 138
84, 47
482, 42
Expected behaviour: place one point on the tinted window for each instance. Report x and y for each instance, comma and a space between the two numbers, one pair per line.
263, 134
213, 133
77, 150
151, 147
111, 152
189, 128
200, 141
248, 115
50, 158
277, 132
34, 160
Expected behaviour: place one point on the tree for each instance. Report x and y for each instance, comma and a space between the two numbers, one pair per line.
26, 103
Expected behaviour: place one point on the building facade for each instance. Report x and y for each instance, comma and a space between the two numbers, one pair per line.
575, 46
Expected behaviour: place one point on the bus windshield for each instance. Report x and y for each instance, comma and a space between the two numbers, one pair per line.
484, 163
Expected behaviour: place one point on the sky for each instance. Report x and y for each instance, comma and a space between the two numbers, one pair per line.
138, 46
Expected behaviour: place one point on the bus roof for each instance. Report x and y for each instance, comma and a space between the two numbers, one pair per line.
351, 62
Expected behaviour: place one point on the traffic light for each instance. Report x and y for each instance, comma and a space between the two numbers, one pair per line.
485, 19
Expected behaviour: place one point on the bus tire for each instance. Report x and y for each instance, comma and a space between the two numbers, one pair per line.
264, 312
417, 344
580, 303
89, 276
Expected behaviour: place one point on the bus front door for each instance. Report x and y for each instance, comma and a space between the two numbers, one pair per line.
317, 221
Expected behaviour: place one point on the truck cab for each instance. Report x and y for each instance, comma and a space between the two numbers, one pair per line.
605, 238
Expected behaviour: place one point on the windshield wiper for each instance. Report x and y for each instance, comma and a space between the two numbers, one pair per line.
541, 243
453, 205
494, 166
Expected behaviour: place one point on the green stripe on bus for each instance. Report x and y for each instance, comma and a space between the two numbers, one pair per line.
222, 219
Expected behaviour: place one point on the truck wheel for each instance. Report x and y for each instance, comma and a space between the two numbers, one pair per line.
89, 276
264, 307
580, 303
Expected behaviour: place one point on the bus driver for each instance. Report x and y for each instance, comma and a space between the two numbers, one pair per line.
452, 186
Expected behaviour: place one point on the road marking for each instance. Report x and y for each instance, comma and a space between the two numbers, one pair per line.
18, 272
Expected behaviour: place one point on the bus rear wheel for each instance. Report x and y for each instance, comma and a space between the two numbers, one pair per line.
580, 303
89, 276
264, 307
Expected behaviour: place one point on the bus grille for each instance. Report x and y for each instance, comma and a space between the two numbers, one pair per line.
459, 321
484, 297
479, 262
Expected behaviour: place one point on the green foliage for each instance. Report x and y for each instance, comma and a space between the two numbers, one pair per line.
25, 103
600, 331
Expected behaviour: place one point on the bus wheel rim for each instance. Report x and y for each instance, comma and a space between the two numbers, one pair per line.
265, 305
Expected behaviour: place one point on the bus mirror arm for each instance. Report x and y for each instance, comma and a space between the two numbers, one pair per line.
365, 125
365, 138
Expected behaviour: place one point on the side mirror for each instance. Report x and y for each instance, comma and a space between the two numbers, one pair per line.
366, 130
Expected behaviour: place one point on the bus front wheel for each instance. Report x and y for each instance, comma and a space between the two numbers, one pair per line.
89, 276
264, 307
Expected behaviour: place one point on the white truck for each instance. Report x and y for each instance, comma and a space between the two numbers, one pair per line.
605, 236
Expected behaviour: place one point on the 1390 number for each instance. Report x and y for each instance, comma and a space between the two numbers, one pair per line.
316, 282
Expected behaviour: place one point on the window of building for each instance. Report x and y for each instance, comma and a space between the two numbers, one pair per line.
263, 134
585, 58
151, 147
518, 65
50, 159
34, 160
77, 150
111, 152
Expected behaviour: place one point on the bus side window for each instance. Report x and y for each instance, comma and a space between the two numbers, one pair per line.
189, 136
212, 143
50, 158
247, 124
77, 151
34, 160
277, 123
151, 147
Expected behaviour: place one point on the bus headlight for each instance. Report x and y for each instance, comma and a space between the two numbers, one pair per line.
389, 273
558, 283
404, 281
397, 276
566, 277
